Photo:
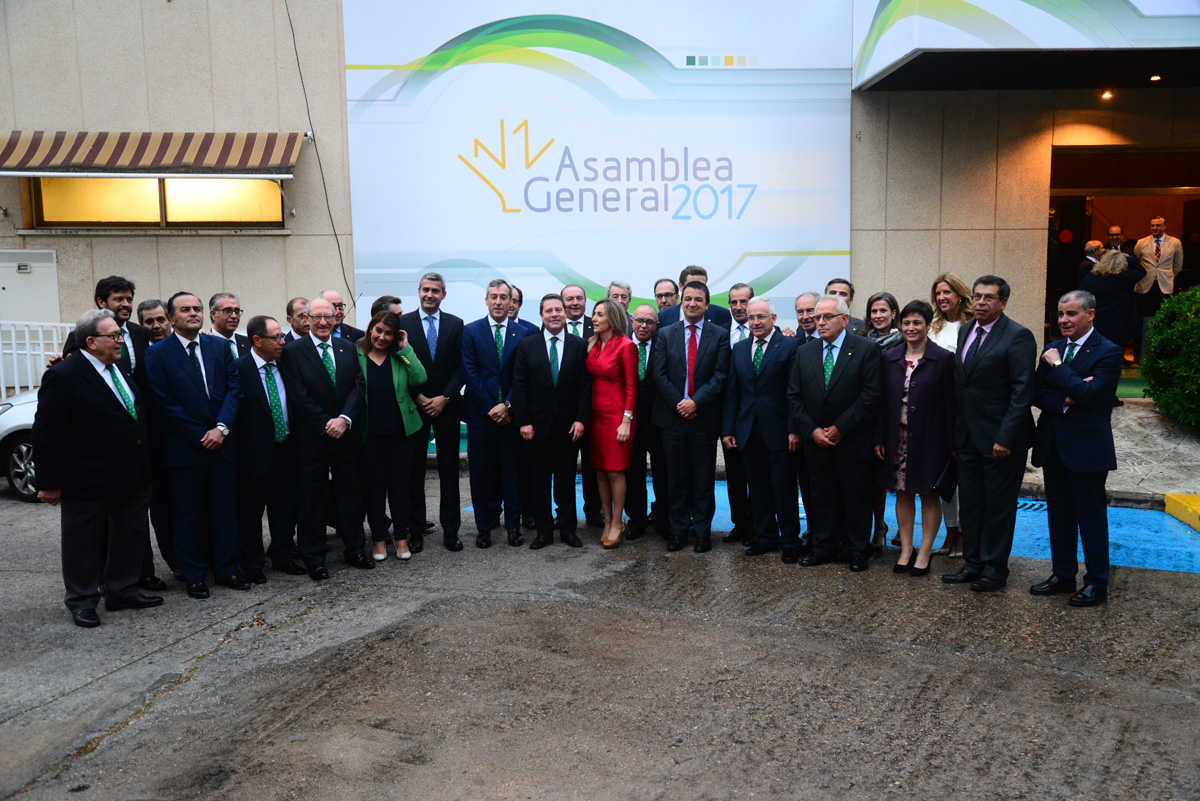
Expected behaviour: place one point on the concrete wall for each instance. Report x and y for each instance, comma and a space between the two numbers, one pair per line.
196, 65
961, 180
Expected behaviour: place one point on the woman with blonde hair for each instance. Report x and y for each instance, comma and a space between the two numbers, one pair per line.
612, 364
951, 300
1112, 280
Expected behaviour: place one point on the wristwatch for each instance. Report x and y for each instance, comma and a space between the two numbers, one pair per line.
224, 429
1056, 363
628, 416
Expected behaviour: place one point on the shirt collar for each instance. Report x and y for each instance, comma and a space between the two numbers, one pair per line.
318, 342
987, 329
837, 343
502, 323
183, 341
437, 318
1079, 342
561, 334
259, 361
767, 338
99, 365
699, 325
214, 333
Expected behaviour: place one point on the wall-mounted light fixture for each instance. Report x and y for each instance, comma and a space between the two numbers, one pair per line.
1107, 95
1156, 77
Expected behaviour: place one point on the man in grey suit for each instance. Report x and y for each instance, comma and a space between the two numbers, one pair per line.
994, 378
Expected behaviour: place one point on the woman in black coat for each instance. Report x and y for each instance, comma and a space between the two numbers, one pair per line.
914, 432
1112, 281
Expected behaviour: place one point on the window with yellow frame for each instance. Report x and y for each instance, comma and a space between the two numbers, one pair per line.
68, 202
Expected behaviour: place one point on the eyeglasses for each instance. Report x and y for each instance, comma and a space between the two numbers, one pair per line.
639, 321
989, 298
276, 337
319, 317
117, 337
229, 311
339, 306
754, 318
665, 295
827, 317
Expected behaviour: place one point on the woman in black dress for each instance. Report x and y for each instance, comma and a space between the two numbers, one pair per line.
1112, 280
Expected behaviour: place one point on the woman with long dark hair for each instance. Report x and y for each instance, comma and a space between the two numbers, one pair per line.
612, 363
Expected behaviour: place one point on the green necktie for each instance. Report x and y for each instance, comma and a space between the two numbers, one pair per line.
828, 363
124, 352
809, 338
499, 342
741, 333
276, 405
1070, 352
641, 361
328, 359
554, 360
233, 348
758, 354
112, 370
575, 327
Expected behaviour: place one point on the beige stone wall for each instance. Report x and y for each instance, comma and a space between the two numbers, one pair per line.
961, 180
190, 65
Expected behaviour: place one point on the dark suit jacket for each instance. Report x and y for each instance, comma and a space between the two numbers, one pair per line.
444, 374
761, 397
347, 332
318, 399
932, 411
1083, 433
670, 375
856, 326
290, 338
240, 340
181, 406
87, 443
536, 399
533, 329
1117, 316
487, 380
140, 340
647, 390
255, 428
715, 314
851, 400
996, 390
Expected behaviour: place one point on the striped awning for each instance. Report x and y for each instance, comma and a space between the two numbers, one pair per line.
104, 154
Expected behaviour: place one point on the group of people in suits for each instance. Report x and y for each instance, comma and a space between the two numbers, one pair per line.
327, 425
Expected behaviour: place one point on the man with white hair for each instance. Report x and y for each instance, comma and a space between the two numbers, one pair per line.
1092, 252
341, 328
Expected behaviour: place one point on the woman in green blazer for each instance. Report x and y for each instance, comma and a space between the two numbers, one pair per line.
387, 427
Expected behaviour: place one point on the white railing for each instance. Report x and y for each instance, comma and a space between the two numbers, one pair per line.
24, 350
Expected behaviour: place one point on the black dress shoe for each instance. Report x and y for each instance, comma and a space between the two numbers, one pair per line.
806, 543
484, 540
515, 538
527, 521
178, 576
416, 542
963, 576
635, 531
791, 556
255, 575
234, 582
153, 583
571, 539
1053, 585
1090, 595
288, 566
540, 542
361, 561
859, 562
197, 590
318, 573
138, 601
86, 618
430, 525
703, 545
595, 521
988, 583
812, 560
452, 542
760, 548
676, 543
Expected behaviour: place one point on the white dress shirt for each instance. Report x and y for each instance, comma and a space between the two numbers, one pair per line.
199, 356
562, 338
102, 368
687, 334
738, 332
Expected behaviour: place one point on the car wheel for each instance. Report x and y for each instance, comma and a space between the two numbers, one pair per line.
20, 470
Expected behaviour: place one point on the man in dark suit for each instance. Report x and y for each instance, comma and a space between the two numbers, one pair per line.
436, 337
580, 324
104, 490
297, 319
341, 328
756, 422
806, 331
713, 314
691, 361
994, 380
1092, 252
833, 393
524, 466
266, 453
225, 315
195, 394
666, 293
845, 290
1076, 383
551, 402
330, 392
488, 354
735, 469
647, 439
116, 294
152, 315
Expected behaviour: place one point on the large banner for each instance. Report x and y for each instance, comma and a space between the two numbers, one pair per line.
609, 141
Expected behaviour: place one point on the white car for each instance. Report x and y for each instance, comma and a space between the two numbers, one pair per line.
16, 423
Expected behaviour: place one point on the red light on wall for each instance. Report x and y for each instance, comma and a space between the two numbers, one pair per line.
1065, 236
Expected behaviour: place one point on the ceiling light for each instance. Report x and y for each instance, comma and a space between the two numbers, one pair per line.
1156, 77
1106, 96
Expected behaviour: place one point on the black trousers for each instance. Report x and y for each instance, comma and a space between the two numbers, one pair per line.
446, 431
276, 493
841, 490
492, 454
647, 442
800, 463
386, 469
772, 492
691, 454
161, 518
102, 545
591, 485
739, 495
987, 508
339, 457
551, 456
1077, 509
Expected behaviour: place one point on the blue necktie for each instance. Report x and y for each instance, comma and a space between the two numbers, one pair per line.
431, 336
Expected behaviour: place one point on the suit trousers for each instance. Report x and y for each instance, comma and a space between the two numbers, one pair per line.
591, 485
737, 492
276, 493
647, 441
161, 517
338, 457
90, 558
800, 461
386, 470
1148, 304
445, 429
691, 454
1077, 509
772, 492
195, 490
841, 502
492, 455
987, 508
552, 457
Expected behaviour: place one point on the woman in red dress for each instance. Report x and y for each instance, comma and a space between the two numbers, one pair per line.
612, 364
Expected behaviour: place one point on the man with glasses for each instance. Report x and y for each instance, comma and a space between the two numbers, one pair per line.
225, 312
297, 319
579, 324
104, 491
341, 328
994, 378
267, 459
845, 290
806, 331
666, 293
647, 438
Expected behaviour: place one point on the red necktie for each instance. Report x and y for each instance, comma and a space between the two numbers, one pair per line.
1157, 250
691, 357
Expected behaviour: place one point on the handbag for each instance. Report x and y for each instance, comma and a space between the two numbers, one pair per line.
947, 481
